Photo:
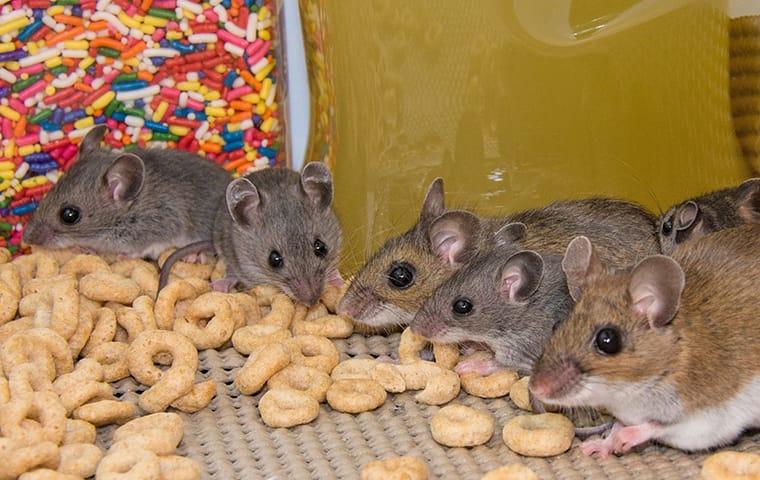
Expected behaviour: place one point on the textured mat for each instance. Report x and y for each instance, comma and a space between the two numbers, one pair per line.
231, 442
745, 85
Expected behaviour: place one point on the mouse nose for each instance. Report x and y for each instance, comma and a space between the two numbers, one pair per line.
552, 381
37, 234
306, 293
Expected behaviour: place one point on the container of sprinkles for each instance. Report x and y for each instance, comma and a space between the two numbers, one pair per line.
201, 76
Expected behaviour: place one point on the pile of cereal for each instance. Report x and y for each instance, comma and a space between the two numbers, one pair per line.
198, 76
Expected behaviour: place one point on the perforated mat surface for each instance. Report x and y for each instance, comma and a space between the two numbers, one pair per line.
231, 442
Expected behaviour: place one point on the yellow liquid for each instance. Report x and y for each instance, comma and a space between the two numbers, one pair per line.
518, 103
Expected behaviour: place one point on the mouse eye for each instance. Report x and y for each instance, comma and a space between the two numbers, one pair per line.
275, 259
401, 276
462, 306
667, 227
608, 341
69, 215
320, 249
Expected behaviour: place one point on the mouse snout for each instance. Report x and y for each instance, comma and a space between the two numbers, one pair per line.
306, 292
38, 234
555, 380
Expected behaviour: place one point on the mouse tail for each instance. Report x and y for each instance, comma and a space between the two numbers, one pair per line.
180, 253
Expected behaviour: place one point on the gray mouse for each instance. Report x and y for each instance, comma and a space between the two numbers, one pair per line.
392, 285
134, 204
276, 227
708, 213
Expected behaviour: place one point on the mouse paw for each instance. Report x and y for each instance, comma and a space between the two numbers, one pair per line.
603, 446
197, 257
481, 367
223, 285
627, 438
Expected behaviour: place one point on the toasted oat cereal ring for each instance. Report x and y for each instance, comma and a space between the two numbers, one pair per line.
143, 273
85, 392
80, 459
82, 333
86, 370
78, 431
282, 311
167, 300
441, 388
260, 366
129, 464
461, 426
199, 396
5, 255
27, 379
113, 357
306, 379
42, 285
143, 306
313, 351
355, 396
47, 474
84, 264
109, 287
513, 471
731, 466
446, 355
10, 292
247, 339
13, 327
316, 311
396, 468
410, 345
128, 319
330, 326
287, 408
45, 408
543, 435
103, 330
36, 345
494, 385
106, 412
264, 294
184, 269
174, 467
212, 309
173, 384
519, 394
418, 374
150, 343
220, 270
19, 458
331, 297
388, 377
64, 318
164, 425
36, 265
5, 391
245, 310
354, 369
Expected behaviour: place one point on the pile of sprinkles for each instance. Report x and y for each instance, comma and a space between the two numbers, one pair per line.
198, 76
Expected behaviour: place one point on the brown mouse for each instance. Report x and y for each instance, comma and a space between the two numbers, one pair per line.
670, 347
391, 286
708, 213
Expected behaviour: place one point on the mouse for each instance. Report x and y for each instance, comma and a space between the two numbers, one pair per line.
276, 227
696, 217
131, 204
670, 347
391, 286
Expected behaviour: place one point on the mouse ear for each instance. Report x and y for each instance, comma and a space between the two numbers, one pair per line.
510, 233
433, 205
748, 200
317, 183
92, 139
655, 289
124, 177
686, 216
581, 265
243, 200
521, 276
453, 236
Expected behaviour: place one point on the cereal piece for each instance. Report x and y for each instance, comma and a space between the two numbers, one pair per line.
83, 264
330, 326
519, 394
42, 285
47, 474
410, 345
306, 379
173, 384
64, 317
729, 465
316, 311
167, 426
19, 458
441, 388
212, 310
27, 379
245, 310
80, 459
113, 357
41, 346
103, 331
282, 311
10, 292
260, 367
150, 343
125, 464
80, 393
43, 407
86, 370
417, 375
197, 398
388, 377
315, 352
167, 300
494, 385
396, 468
264, 294
5, 255
220, 271
332, 295
247, 339
143, 306
13, 327
355, 396
174, 467
543, 435
287, 408
183, 270
82, 333
461, 426
354, 369
128, 319
5, 391
106, 412
36, 265
513, 471
446, 355
78, 431
109, 287
143, 273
